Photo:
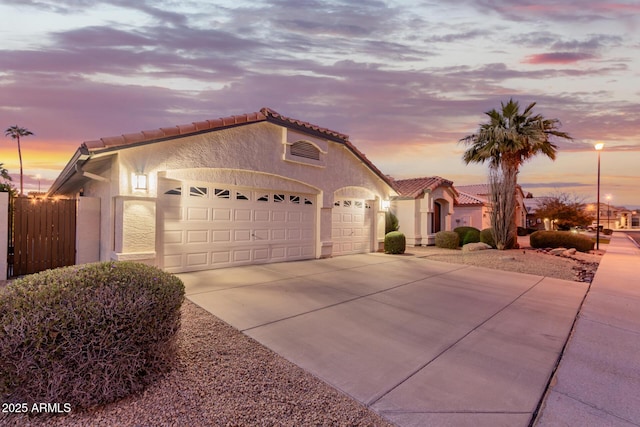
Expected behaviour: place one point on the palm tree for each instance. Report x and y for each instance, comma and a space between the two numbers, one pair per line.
509, 139
16, 132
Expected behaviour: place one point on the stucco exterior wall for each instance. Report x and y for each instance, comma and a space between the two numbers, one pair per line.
88, 230
252, 155
471, 216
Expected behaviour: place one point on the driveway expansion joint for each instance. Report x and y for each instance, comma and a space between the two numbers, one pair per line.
376, 399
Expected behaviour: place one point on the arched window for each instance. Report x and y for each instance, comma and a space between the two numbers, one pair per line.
305, 149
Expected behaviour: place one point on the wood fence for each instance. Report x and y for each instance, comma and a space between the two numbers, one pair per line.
42, 235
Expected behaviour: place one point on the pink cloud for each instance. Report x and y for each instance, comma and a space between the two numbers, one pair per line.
557, 58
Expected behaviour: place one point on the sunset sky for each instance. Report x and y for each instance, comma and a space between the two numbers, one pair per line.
405, 79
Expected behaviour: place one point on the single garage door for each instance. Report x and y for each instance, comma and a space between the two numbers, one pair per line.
214, 226
351, 226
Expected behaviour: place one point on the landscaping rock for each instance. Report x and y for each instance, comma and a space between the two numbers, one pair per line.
570, 252
472, 247
557, 251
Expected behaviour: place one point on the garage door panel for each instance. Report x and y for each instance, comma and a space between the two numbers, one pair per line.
222, 214
240, 255
221, 236
218, 258
214, 226
242, 235
260, 215
197, 259
242, 215
261, 254
261, 234
278, 216
197, 236
278, 234
197, 214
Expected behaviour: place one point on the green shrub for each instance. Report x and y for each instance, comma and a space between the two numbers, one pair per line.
607, 231
447, 239
467, 234
394, 243
561, 239
486, 236
521, 231
390, 222
87, 334
472, 236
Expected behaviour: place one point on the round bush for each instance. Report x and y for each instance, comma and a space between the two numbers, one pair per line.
447, 239
486, 236
395, 243
468, 234
472, 236
561, 239
87, 334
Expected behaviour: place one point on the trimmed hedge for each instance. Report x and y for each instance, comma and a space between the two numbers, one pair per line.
447, 239
467, 234
394, 243
561, 239
88, 334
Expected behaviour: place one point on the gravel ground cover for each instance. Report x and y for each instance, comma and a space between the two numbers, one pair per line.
225, 378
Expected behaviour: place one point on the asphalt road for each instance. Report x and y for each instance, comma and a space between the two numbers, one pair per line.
635, 235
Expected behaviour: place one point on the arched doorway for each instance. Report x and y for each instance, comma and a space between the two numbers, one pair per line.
437, 217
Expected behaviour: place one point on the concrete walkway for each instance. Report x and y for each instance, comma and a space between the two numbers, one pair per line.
418, 341
598, 380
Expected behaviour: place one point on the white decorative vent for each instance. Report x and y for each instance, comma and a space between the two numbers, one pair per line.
306, 150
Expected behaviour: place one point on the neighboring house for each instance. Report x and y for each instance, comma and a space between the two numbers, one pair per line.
423, 206
532, 204
473, 207
254, 188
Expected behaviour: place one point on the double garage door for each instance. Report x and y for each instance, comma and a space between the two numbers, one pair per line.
214, 226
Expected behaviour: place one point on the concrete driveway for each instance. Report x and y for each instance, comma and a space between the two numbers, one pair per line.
420, 342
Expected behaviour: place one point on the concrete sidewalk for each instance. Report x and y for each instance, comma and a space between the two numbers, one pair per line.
420, 342
598, 380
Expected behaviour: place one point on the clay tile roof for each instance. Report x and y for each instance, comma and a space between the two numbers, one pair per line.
414, 187
305, 126
168, 132
468, 199
475, 190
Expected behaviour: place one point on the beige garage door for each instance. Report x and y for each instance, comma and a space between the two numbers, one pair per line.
214, 226
351, 226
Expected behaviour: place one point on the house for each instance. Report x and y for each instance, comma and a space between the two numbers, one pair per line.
248, 189
473, 207
423, 206
533, 204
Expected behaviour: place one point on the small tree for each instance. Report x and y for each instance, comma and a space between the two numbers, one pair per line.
16, 132
6, 186
566, 210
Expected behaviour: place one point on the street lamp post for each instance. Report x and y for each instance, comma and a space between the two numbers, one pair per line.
599, 146
608, 209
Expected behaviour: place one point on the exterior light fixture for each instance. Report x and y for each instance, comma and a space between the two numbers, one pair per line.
386, 204
599, 146
140, 182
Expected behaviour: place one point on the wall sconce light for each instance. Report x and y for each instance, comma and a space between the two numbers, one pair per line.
140, 182
386, 204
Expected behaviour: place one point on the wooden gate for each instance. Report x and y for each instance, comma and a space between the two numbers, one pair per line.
42, 235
